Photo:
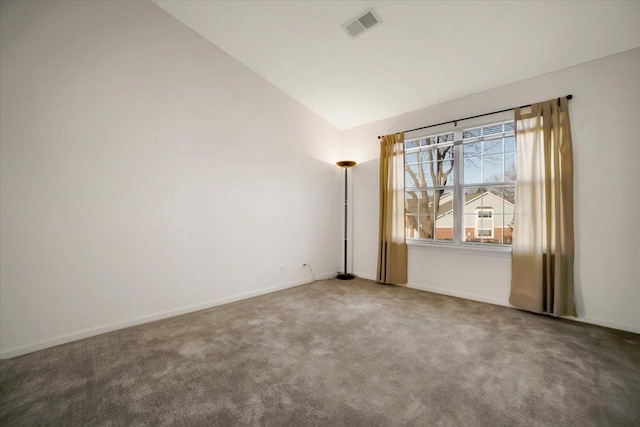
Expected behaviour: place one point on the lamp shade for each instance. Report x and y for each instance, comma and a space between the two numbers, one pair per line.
346, 164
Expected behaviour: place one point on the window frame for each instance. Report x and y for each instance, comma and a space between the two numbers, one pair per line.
458, 243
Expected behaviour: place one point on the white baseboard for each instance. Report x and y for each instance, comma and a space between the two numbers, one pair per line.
86, 333
464, 295
590, 320
480, 298
90, 332
605, 323
365, 276
444, 291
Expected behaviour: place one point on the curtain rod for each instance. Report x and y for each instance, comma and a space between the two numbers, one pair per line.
473, 117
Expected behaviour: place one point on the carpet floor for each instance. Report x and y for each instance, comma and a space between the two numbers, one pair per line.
334, 353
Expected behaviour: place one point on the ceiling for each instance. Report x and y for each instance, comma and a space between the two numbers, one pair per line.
422, 54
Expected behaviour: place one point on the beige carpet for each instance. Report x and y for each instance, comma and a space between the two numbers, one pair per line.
334, 353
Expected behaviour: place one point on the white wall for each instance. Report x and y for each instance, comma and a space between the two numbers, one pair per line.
604, 122
145, 173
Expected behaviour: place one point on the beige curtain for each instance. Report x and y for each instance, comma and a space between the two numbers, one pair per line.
392, 247
543, 243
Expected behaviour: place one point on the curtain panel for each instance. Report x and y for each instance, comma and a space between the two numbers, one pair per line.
392, 247
542, 261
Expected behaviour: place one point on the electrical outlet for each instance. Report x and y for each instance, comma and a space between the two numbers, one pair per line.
281, 268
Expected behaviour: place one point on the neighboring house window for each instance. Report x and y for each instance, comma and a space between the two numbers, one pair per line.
460, 185
484, 223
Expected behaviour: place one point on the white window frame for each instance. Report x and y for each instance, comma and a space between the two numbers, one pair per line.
458, 243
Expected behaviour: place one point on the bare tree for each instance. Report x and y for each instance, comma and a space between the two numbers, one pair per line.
437, 162
440, 166
506, 192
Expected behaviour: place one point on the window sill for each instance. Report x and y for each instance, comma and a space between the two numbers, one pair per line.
466, 248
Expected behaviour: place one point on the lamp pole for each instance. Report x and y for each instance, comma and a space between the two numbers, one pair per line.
345, 164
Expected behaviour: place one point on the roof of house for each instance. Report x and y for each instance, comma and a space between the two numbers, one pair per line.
446, 202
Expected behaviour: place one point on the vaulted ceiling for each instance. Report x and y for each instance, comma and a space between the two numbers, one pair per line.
422, 54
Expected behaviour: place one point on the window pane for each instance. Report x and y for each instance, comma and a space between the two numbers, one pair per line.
427, 173
471, 193
499, 223
470, 228
472, 149
471, 133
445, 138
509, 195
411, 177
412, 226
508, 127
492, 199
493, 146
510, 167
509, 144
411, 202
492, 168
507, 230
443, 201
499, 198
504, 195
471, 173
473, 201
444, 227
438, 173
426, 202
428, 141
411, 144
426, 226
411, 157
445, 173
491, 130
428, 154
447, 152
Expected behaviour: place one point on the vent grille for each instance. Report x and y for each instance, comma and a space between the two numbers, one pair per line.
368, 20
363, 22
354, 28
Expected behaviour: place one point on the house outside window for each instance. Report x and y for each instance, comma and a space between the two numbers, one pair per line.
460, 186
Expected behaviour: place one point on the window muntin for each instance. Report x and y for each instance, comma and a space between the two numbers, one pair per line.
429, 181
445, 197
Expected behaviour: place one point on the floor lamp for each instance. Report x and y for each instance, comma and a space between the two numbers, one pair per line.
345, 164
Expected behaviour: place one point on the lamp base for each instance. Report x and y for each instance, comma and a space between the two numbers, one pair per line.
346, 276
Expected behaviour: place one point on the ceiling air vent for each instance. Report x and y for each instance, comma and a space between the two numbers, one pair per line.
362, 23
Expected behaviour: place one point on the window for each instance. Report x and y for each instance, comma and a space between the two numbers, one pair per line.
460, 186
485, 224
